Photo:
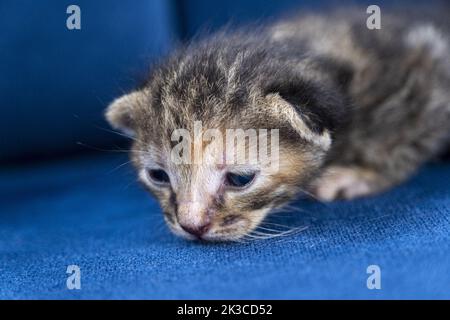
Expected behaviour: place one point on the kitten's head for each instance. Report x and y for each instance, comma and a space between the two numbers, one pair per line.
222, 137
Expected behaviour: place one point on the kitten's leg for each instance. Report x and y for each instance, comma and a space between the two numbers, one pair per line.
400, 125
370, 165
340, 182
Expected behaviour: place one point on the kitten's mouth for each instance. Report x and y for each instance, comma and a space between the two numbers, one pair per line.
211, 237
213, 234
228, 228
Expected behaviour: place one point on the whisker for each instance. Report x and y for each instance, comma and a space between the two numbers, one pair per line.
135, 181
277, 233
296, 208
119, 166
326, 204
99, 149
263, 235
288, 211
241, 240
268, 229
112, 150
267, 234
118, 133
255, 237
245, 239
276, 225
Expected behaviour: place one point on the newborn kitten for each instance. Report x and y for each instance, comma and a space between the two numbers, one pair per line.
358, 111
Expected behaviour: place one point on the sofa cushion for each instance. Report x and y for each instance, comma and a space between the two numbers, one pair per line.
91, 213
200, 15
55, 82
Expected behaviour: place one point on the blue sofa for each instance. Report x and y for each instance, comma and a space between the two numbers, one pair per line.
64, 202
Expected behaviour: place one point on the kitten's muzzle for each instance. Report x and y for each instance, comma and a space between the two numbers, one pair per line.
194, 217
198, 230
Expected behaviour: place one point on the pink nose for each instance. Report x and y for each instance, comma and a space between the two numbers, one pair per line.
197, 231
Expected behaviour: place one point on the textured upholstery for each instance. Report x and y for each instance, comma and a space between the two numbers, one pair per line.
88, 213
87, 210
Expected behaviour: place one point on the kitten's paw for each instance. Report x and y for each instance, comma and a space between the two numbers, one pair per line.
344, 183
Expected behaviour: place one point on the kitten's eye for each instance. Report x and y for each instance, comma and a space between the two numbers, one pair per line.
239, 180
159, 176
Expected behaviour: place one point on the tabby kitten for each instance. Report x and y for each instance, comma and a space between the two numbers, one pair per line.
357, 111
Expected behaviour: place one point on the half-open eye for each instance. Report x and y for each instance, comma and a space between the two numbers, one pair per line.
158, 176
239, 180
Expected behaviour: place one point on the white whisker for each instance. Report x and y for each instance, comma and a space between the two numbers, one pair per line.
314, 197
119, 166
118, 133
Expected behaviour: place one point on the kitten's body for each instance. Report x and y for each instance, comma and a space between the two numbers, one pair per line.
358, 110
399, 88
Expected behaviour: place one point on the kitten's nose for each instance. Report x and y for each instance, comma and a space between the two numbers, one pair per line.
197, 231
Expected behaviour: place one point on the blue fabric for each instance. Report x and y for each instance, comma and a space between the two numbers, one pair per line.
90, 212
205, 14
55, 82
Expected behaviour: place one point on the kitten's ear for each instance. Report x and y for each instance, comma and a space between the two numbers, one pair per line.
120, 112
314, 113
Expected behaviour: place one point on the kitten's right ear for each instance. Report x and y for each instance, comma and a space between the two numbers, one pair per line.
120, 112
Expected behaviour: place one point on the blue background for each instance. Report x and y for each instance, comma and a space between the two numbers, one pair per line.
55, 82
63, 203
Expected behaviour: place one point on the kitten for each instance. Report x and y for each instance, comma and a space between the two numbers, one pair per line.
357, 112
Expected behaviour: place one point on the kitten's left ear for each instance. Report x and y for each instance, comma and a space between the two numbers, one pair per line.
120, 112
315, 113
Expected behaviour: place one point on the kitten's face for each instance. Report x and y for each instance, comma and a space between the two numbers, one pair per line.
215, 197
215, 200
